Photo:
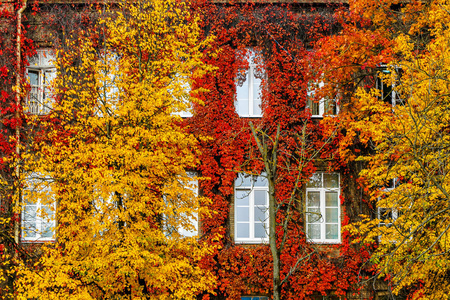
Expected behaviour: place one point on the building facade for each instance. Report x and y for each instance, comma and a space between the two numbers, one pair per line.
266, 75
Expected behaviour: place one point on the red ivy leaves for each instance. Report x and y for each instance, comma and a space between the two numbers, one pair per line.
284, 39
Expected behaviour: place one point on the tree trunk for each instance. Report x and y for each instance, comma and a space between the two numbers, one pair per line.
273, 239
18, 91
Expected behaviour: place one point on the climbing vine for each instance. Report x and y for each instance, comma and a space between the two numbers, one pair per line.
284, 35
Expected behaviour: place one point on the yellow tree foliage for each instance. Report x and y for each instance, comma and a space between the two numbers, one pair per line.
409, 172
113, 157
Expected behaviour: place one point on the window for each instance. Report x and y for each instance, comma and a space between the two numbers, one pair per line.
40, 73
107, 76
181, 93
185, 98
248, 88
320, 107
172, 223
193, 220
388, 215
38, 218
251, 203
186, 113
386, 82
323, 212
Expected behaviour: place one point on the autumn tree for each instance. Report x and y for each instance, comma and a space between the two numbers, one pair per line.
412, 154
297, 165
271, 41
402, 123
109, 163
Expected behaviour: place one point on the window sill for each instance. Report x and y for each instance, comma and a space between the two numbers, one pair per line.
322, 117
37, 241
253, 242
251, 117
321, 242
183, 116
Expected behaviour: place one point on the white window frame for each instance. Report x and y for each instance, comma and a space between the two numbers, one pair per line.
248, 83
249, 191
39, 99
380, 84
33, 189
321, 103
317, 215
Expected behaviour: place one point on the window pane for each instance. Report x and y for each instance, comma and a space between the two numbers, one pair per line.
314, 215
48, 212
243, 180
315, 181
313, 199
191, 232
260, 231
331, 199
261, 181
242, 97
47, 96
34, 77
256, 96
331, 215
49, 76
392, 183
29, 230
331, 180
34, 60
314, 104
242, 197
313, 231
385, 214
47, 57
33, 96
47, 231
384, 87
242, 214
387, 93
260, 214
260, 197
331, 107
331, 231
242, 230
28, 197
30, 213
315, 108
